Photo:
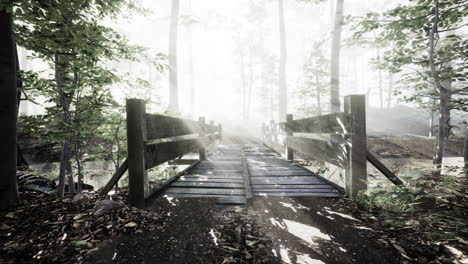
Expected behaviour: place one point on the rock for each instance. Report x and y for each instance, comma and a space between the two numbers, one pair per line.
81, 198
104, 207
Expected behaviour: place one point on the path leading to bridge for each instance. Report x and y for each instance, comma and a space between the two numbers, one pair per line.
239, 169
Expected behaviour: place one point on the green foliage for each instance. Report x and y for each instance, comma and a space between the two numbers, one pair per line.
316, 81
70, 37
392, 198
405, 30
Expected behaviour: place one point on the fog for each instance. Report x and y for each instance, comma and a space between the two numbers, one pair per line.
214, 37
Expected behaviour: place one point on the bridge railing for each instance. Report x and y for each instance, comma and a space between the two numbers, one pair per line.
345, 146
154, 139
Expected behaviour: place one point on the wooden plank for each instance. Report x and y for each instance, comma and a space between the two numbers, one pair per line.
285, 180
182, 178
216, 171
160, 152
205, 191
161, 126
182, 161
289, 132
136, 136
208, 184
248, 188
280, 173
115, 178
220, 167
383, 169
316, 190
330, 152
297, 194
331, 123
292, 186
158, 190
356, 169
215, 176
211, 163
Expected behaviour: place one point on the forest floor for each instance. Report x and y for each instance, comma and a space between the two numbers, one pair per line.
424, 222
271, 230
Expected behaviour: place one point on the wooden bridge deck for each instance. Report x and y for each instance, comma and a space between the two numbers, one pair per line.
237, 171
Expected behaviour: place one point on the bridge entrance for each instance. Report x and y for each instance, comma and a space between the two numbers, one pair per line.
240, 169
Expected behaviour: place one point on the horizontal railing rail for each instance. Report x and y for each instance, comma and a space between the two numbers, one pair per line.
154, 139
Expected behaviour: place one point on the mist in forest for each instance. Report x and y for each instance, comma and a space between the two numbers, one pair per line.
228, 56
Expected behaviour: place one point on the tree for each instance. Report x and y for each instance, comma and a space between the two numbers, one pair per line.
316, 74
335, 58
69, 37
426, 46
8, 112
173, 89
283, 90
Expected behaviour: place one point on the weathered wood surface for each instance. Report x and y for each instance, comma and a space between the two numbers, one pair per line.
331, 123
356, 169
115, 178
383, 169
278, 177
167, 183
208, 184
233, 175
161, 126
160, 152
136, 137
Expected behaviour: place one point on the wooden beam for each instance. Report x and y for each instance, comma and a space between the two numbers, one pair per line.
115, 178
158, 153
136, 136
383, 169
356, 169
331, 123
289, 132
201, 150
247, 185
324, 151
182, 161
161, 126
158, 190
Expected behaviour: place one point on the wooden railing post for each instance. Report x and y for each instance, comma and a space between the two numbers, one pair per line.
356, 169
289, 151
220, 130
201, 151
136, 136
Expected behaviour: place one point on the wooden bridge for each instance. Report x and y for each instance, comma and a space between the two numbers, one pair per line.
239, 169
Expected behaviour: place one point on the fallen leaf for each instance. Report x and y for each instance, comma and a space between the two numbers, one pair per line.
131, 224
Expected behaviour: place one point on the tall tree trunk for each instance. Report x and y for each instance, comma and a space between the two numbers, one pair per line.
62, 169
8, 114
317, 85
443, 96
251, 83
335, 59
283, 90
78, 162
173, 89
431, 115
390, 90
243, 86
65, 100
21, 162
71, 181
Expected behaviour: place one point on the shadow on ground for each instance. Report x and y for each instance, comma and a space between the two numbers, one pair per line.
310, 230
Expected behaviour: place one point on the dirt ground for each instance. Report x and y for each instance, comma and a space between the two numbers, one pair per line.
271, 230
